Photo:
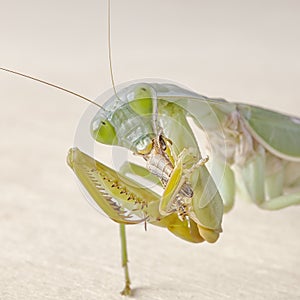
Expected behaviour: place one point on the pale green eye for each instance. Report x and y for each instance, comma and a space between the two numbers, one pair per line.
142, 103
104, 132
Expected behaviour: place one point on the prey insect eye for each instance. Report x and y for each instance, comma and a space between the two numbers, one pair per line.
162, 143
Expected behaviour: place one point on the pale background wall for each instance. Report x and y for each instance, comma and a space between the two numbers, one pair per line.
53, 245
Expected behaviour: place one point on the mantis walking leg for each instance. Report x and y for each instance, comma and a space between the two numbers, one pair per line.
265, 190
127, 290
285, 177
281, 202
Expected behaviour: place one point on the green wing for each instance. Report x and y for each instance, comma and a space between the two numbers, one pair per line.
278, 133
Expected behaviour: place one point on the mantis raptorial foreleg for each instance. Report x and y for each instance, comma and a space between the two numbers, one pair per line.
225, 181
251, 179
178, 178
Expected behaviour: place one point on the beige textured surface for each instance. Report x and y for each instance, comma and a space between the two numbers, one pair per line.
53, 245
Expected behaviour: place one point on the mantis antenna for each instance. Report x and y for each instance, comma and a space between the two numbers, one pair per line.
109, 50
52, 85
69, 91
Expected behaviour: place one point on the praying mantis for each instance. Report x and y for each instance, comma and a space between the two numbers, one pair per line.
185, 222
255, 152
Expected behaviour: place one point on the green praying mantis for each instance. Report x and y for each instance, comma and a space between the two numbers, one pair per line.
254, 152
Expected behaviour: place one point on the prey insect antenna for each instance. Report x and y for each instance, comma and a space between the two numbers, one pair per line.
52, 85
109, 49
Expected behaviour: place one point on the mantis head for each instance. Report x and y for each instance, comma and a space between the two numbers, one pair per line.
126, 119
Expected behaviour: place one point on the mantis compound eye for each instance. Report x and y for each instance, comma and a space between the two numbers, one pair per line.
142, 100
104, 132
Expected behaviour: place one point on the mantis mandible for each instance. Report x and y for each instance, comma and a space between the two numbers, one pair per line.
254, 151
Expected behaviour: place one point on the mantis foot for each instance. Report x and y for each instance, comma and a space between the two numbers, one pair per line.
127, 290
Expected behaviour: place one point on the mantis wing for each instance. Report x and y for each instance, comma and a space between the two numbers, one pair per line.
278, 133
